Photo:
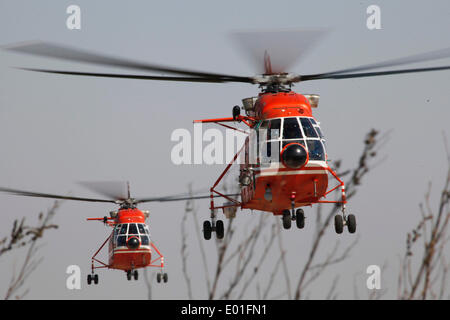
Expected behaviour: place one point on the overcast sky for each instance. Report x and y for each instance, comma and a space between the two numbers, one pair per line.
57, 130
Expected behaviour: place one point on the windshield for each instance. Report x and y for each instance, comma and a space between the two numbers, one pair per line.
291, 129
302, 130
123, 231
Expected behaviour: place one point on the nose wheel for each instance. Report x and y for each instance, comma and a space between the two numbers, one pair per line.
298, 216
132, 274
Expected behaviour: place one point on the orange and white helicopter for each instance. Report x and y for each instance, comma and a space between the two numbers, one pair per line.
291, 170
130, 244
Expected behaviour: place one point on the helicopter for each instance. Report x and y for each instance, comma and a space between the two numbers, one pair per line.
291, 170
130, 244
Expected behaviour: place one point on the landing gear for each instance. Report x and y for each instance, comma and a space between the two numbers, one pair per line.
351, 223
132, 274
162, 276
92, 277
300, 218
220, 230
341, 220
286, 219
213, 226
297, 215
207, 229
338, 224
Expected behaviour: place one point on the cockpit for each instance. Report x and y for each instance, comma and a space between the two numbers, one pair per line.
125, 231
274, 134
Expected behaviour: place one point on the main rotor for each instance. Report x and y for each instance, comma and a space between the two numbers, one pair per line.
274, 51
114, 193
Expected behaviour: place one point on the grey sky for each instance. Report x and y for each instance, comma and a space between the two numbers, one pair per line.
56, 130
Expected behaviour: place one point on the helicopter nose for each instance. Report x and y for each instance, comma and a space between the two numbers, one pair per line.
294, 156
133, 243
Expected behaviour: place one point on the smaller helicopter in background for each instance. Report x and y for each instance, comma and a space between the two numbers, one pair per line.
130, 244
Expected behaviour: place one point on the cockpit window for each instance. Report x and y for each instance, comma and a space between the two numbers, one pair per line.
141, 228
286, 142
273, 131
308, 128
270, 151
291, 129
123, 229
316, 151
144, 240
121, 241
319, 132
132, 229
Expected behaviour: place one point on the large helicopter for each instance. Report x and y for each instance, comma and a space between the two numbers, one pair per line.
130, 244
291, 169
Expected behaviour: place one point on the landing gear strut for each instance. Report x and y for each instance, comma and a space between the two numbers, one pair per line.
342, 220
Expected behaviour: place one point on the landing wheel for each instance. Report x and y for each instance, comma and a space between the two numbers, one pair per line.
135, 274
338, 224
351, 223
300, 218
129, 275
286, 219
92, 277
165, 277
158, 277
220, 229
207, 229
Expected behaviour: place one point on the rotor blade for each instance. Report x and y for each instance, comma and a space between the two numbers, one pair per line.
371, 74
276, 51
181, 198
422, 57
140, 77
117, 190
71, 54
47, 195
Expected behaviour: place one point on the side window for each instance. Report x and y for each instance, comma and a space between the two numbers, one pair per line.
141, 228
132, 229
123, 229
308, 128
273, 131
319, 132
121, 241
116, 229
291, 129
144, 240
270, 152
316, 151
